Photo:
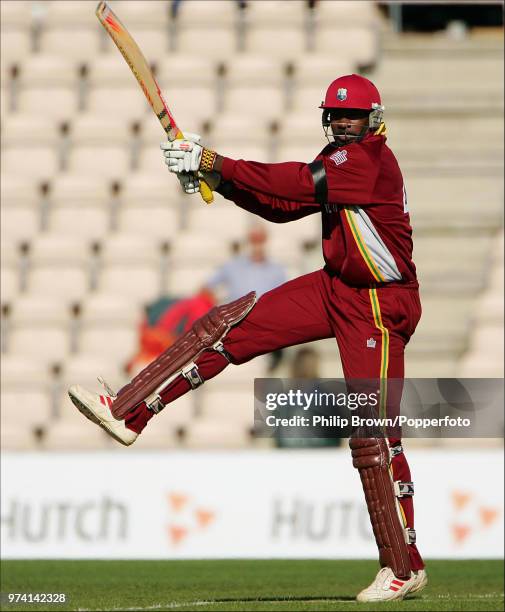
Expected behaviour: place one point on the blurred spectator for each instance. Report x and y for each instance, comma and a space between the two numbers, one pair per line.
164, 321
252, 271
305, 364
169, 316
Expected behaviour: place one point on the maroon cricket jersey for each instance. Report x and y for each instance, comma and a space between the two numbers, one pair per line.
366, 232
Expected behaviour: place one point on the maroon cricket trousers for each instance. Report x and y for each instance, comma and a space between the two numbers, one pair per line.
372, 325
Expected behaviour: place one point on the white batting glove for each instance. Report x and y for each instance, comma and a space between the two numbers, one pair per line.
183, 155
189, 182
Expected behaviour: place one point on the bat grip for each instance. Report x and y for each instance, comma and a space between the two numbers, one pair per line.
206, 192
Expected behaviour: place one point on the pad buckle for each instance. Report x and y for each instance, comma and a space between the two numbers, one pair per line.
219, 348
396, 450
154, 403
410, 535
192, 375
403, 489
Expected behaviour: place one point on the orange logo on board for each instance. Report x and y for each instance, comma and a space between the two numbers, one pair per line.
469, 516
186, 517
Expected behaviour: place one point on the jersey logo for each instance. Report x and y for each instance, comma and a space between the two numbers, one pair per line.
339, 157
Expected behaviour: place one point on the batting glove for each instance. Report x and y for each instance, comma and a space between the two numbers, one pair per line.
189, 182
183, 155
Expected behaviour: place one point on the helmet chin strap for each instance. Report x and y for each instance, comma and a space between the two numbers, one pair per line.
381, 130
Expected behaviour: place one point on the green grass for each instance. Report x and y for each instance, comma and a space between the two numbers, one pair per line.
244, 585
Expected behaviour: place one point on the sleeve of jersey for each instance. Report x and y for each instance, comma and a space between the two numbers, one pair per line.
289, 181
276, 192
351, 175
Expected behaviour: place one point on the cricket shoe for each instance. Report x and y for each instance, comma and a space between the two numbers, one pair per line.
387, 587
96, 408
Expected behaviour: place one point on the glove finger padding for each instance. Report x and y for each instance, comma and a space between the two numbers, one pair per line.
189, 182
187, 153
174, 154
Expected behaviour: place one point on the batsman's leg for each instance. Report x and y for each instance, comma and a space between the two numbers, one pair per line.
372, 338
234, 333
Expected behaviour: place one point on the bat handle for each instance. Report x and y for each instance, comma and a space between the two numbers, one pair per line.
206, 192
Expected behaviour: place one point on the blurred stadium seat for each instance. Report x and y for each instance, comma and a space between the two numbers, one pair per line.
179, 69
130, 267
319, 70
155, 221
59, 266
224, 220
47, 86
16, 14
210, 40
346, 12
66, 433
293, 14
201, 13
151, 190
85, 367
281, 44
198, 248
13, 402
38, 328
239, 128
186, 280
209, 433
254, 70
64, 13
357, 45
55, 39
99, 147
145, 13
115, 340
21, 208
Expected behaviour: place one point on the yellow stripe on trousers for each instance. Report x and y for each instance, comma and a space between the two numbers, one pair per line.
374, 300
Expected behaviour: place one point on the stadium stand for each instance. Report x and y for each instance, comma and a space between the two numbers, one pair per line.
93, 226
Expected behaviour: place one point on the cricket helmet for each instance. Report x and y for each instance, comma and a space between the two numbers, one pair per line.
354, 91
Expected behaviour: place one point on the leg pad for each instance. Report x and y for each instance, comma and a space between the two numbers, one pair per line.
206, 333
371, 456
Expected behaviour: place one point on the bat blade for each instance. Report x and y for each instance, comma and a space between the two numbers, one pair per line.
139, 66
143, 73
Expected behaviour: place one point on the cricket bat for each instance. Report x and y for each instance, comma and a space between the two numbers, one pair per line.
140, 68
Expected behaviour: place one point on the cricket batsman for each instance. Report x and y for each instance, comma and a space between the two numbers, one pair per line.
366, 297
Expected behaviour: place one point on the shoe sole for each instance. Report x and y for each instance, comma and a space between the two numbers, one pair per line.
89, 414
